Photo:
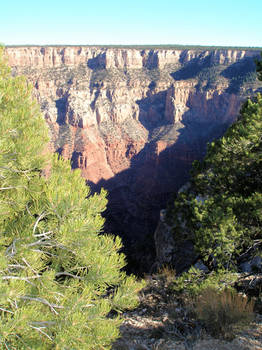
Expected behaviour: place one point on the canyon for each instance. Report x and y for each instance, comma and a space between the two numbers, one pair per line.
133, 120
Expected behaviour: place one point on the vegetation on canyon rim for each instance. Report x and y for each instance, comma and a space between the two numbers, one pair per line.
59, 277
153, 47
220, 210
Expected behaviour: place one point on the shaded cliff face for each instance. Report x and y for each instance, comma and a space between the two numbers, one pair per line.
134, 120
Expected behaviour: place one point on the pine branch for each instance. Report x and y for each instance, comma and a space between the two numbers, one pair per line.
12, 248
44, 234
20, 278
5, 310
43, 301
10, 187
64, 273
41, 331
40, 217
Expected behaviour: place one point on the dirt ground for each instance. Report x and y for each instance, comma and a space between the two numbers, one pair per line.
162, 323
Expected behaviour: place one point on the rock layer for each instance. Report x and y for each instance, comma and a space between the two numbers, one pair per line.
47, 57
134, 120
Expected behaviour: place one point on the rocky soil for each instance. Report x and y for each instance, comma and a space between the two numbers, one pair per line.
164, 322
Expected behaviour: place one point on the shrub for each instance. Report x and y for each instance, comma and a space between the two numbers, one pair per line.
167, 273
195, 281
224, 312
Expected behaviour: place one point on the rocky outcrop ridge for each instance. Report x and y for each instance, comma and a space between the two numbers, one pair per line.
133, 120
47, 57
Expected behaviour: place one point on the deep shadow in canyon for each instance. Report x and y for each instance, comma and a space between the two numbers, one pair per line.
137, 194
152, 109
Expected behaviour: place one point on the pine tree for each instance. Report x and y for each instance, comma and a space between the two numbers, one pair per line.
221, 210
59, 276
230, 179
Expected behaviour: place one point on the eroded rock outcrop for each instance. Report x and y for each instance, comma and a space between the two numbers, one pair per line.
133, 120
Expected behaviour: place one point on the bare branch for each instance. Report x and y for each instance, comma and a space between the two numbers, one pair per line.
44, 234
42, 251
257, 243
20, 278
39, 329
29, 212
43, 301
40, 217
6, 345
43, 242
16, 266
12, 248
28, 265
64, 273
43, 324
9, 188
5, 310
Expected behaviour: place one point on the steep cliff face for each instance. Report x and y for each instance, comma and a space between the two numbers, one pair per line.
134, 120
47, 57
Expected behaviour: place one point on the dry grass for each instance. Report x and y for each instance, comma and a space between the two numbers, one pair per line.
167, 273
224, 313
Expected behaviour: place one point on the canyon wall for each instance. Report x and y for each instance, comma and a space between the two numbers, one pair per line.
134, 120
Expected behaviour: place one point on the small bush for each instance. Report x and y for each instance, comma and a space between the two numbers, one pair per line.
194, 282
223, 313
167, 273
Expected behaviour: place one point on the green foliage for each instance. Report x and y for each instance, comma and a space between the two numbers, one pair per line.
222, 208
59, 277
208, 77
20, 160
230, 178
224, 312
193, 282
